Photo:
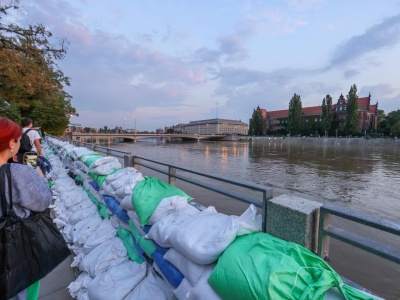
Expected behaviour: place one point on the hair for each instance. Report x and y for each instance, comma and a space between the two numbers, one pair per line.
9, 130
26, 122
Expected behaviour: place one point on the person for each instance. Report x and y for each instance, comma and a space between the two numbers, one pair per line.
29, 187
33, 135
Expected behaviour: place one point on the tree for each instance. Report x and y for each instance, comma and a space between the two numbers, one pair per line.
295, 122
10, 111
326, 113
257, 123
351, 122
395, 130
30, 79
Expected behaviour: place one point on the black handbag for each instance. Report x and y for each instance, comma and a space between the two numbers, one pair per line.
30, 248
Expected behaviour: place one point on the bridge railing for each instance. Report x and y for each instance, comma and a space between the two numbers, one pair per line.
327, 230
229, 187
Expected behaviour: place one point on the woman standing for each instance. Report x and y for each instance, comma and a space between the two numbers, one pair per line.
29, 188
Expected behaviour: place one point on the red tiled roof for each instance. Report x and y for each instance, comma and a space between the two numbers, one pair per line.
263, 112
312, 111
278, 114
363, 103
373, 108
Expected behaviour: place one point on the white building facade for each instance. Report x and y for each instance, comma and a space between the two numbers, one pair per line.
213, 126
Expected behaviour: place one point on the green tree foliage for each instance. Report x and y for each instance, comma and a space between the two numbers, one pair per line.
326, 114
9, 110
388, 121
295, 121
30, 79
395, 130
256, 123
351, 123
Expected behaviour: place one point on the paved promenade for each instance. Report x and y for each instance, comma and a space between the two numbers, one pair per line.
54, 285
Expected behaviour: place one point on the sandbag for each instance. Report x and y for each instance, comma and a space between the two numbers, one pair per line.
260, 264
148, 194
117, 282
203, 237
103, 257
162, 229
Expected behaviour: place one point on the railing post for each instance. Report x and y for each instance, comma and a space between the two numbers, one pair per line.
108, 152
136, 163
323, 239
128, 161
171, 173
267, 195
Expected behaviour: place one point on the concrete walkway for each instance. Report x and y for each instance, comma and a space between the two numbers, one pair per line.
54, 285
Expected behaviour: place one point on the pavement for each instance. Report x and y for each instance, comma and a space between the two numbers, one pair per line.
54, 285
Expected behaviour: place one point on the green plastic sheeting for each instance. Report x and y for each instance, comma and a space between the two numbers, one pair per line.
126, 238
148, 193
260, 266
146, 245
89, 158
101, 208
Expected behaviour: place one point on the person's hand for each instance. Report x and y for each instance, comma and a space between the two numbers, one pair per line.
39, 171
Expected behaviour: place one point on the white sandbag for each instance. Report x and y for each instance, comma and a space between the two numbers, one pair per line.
83, 229
190, 270
203, 237
202, 290
183, 289
81, 205
73, 197
161, 230
106, 189
119, 173
107, 168
126, 202
167, 206
103, 257
147, 289
104, 232
78, 151
126, 179
117, 282
79, 286
124, 190
82, 214
103, 160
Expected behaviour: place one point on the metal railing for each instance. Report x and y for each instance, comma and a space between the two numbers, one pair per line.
327, 231
172, 172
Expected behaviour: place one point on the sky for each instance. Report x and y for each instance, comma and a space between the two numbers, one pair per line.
162, 62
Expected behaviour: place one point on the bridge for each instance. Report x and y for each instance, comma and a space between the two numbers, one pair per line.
95, 137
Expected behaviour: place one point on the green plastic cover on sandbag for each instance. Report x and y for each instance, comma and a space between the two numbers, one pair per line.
99, 178
126, 238
260, 266
146, 245
101, 208
89, 158
148, 193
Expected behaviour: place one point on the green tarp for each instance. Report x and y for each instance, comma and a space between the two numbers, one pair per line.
148, 193
126, 238
260, 266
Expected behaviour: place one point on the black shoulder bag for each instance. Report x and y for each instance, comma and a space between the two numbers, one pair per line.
30, 248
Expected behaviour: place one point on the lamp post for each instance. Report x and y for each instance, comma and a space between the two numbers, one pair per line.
199, 127
135, 123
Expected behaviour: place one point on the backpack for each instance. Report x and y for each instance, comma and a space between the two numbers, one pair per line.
25, 143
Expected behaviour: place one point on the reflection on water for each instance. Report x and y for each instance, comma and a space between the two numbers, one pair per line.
363, 178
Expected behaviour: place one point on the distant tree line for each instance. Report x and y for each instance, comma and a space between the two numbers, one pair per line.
295, 124
31, 84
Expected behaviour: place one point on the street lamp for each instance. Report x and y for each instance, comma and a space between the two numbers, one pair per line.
135, 123
199, 127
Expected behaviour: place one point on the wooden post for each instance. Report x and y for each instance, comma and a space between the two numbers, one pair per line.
171, 178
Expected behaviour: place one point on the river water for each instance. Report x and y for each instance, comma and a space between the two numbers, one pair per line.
361, 176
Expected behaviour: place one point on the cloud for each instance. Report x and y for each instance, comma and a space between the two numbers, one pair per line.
350, 73
383, 35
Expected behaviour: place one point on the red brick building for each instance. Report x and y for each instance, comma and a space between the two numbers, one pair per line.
367, 115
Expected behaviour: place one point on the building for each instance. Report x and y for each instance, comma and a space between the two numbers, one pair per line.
276, 121
75, 128
213, 126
